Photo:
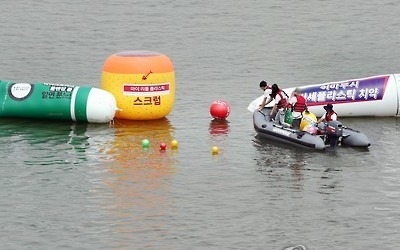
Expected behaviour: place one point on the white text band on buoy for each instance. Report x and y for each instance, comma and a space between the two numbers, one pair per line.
370, 96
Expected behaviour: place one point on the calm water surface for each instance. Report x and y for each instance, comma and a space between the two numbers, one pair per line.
92, 186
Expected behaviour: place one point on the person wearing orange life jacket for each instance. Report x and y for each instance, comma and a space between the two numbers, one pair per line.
298, 105
281, 103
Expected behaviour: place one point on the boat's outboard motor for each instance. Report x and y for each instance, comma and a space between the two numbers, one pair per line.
333, 130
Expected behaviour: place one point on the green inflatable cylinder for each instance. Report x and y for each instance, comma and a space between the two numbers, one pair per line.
56, 101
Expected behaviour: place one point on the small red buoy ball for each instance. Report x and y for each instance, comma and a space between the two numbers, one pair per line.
163, 146
220, 109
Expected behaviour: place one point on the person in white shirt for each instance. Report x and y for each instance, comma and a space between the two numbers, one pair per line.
267, 94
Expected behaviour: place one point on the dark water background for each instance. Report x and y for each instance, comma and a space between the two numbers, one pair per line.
92, 186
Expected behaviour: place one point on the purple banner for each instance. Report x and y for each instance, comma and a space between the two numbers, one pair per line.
361, 90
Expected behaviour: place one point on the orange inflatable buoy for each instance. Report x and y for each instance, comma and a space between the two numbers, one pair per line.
143, 83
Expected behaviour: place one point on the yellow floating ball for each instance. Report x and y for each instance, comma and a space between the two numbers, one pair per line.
174, 144
214, 150
142, 82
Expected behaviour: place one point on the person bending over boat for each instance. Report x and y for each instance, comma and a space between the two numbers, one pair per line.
267, 93
298, 105
281, 103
